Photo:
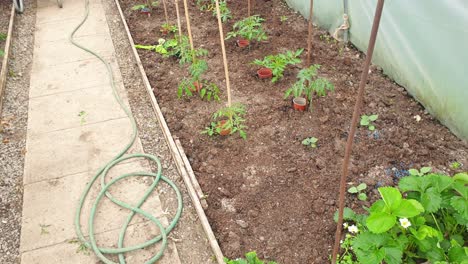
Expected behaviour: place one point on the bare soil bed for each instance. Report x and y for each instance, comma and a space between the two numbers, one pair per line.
269, 193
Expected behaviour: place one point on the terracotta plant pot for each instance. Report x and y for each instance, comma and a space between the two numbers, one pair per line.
223, 132
197, 86
264, 73
299, 103
242, 43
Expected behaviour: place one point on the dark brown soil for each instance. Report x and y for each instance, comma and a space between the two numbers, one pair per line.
269, 193
5, 11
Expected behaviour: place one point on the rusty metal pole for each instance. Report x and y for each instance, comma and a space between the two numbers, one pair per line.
354, 122
309, 38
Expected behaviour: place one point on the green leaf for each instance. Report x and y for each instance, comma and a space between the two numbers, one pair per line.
409, 183
373, 117
365, 122
458, 255
362, 186
391, 196
371, 128
348, 214
413, 172
377, 207
408, 208
380, 222
461, 188
393, 255
353, 190
431, 200
362, 196
425, 170
461, 205
462, 177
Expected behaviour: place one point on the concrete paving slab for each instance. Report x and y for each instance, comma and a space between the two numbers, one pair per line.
49, 12
49, 206
71, 76
56, 53
72, 109
69, 253
75, 150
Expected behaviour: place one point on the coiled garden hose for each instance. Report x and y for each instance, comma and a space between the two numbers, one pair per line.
102, 172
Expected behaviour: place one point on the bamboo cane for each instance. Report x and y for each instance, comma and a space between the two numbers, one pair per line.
189, 29
165, 12
248, 8
354, 123
223, 49
176, 2
309, 38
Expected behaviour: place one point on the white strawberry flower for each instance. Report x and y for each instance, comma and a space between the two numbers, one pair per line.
345, 225
405, 223
353, 229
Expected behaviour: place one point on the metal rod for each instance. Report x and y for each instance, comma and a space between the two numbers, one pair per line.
309, 38
223, 49
354, 122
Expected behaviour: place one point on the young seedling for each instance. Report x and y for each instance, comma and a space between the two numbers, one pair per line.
82, 248
278, 63
283, 19
455, 165
210, 5
250, 258
359, 190
144, 6
308, 84
209, 91
249, 28
168, 28
44, 230
368, 121
227, 121
164, 47
82, 116
310, 141
422, 172
193, 84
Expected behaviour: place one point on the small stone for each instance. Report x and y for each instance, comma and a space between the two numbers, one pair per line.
242, 223
252, 213
347, 61
405, 145
293, 169
226, 205
324, 119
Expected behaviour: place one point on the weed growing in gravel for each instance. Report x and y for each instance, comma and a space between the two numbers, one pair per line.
82, 248
249, 28
227, 121
423, 220
368, 121
3, 36
359, 190
278, 63
44, 230
250, 258
82, 116
308, 84
310, 141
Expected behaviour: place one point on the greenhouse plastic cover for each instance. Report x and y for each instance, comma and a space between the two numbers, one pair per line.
421, 44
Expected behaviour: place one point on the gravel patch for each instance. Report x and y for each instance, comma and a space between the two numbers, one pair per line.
13, 127
190, 238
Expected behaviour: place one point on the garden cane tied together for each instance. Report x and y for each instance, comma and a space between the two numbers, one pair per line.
102, 172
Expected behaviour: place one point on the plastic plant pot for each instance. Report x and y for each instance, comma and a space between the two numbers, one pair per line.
146, 11
299, 103
264, 73
242, 43
223, 132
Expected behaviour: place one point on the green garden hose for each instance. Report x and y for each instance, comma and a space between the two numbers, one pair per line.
102, 172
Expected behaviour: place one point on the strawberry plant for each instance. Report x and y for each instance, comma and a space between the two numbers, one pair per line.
368, 121
278, 63
359, 190
309, 84
228, 120
250, 258
249, 28
423, 220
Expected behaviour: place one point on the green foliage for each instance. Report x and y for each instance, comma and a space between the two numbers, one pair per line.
197, 68
228, 118
277, 63
169, 28
283, 19
368, 121
249, 28
422, 172
143, 6
424, 219
359, 190
327, 38
164, 47
185, 53
250, 258
308, 84
209, 91
310, 141
3, 37
455, 165
210, 5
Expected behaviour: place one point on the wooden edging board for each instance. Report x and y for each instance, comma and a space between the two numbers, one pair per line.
178, 159
3, 70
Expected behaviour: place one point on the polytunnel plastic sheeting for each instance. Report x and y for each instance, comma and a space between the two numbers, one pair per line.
422, 45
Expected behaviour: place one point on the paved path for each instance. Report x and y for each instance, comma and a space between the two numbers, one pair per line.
65, 149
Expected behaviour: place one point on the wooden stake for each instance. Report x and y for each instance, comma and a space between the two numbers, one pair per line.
189, 29
223, 49
165, 12
176, 2
248, 8
148, 3
309, 38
